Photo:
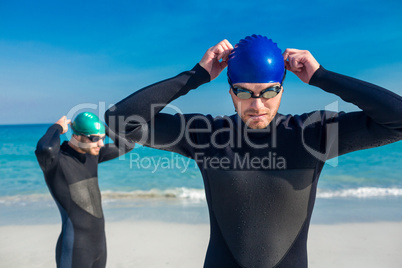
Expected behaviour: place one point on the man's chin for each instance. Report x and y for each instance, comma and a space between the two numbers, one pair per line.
257, 124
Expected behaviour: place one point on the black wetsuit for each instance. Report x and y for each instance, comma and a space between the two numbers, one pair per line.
72, 179
260, 200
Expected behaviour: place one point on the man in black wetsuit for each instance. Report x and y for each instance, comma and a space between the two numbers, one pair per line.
260, 168
71, 173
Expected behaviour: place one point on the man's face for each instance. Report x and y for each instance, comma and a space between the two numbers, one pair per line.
256, 113
88, 146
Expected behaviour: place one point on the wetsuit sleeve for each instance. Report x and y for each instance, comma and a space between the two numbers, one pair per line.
138, 116
113, 150
379, 122
48, 147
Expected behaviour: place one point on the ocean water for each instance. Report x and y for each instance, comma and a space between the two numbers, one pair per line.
154, 184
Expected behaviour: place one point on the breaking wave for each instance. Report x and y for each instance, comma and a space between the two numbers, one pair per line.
361, 192
194, 195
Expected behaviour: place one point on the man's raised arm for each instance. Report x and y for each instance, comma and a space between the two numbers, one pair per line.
132, 116
379, 122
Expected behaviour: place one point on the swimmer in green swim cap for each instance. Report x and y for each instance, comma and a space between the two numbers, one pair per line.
71, 174
89, 133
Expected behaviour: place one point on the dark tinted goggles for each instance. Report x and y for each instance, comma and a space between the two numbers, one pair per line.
93, 138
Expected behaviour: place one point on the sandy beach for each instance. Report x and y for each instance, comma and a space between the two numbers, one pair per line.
162, 244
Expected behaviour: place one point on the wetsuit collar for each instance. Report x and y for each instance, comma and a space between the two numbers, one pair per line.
68, 149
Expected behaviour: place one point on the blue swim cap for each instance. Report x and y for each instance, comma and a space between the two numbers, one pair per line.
256, 59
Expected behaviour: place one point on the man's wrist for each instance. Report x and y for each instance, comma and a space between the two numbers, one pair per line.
317, 75
201, 76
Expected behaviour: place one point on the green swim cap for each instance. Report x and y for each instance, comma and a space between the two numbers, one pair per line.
87, 124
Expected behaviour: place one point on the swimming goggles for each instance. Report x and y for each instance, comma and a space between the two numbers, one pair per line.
267, 93
93, 138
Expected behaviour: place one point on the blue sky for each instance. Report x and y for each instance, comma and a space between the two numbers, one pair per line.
57, 57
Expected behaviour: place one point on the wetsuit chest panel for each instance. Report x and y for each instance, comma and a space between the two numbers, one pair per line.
86, 195
260, 213
82, 182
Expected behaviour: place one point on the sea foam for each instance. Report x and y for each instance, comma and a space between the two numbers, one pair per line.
361, 192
